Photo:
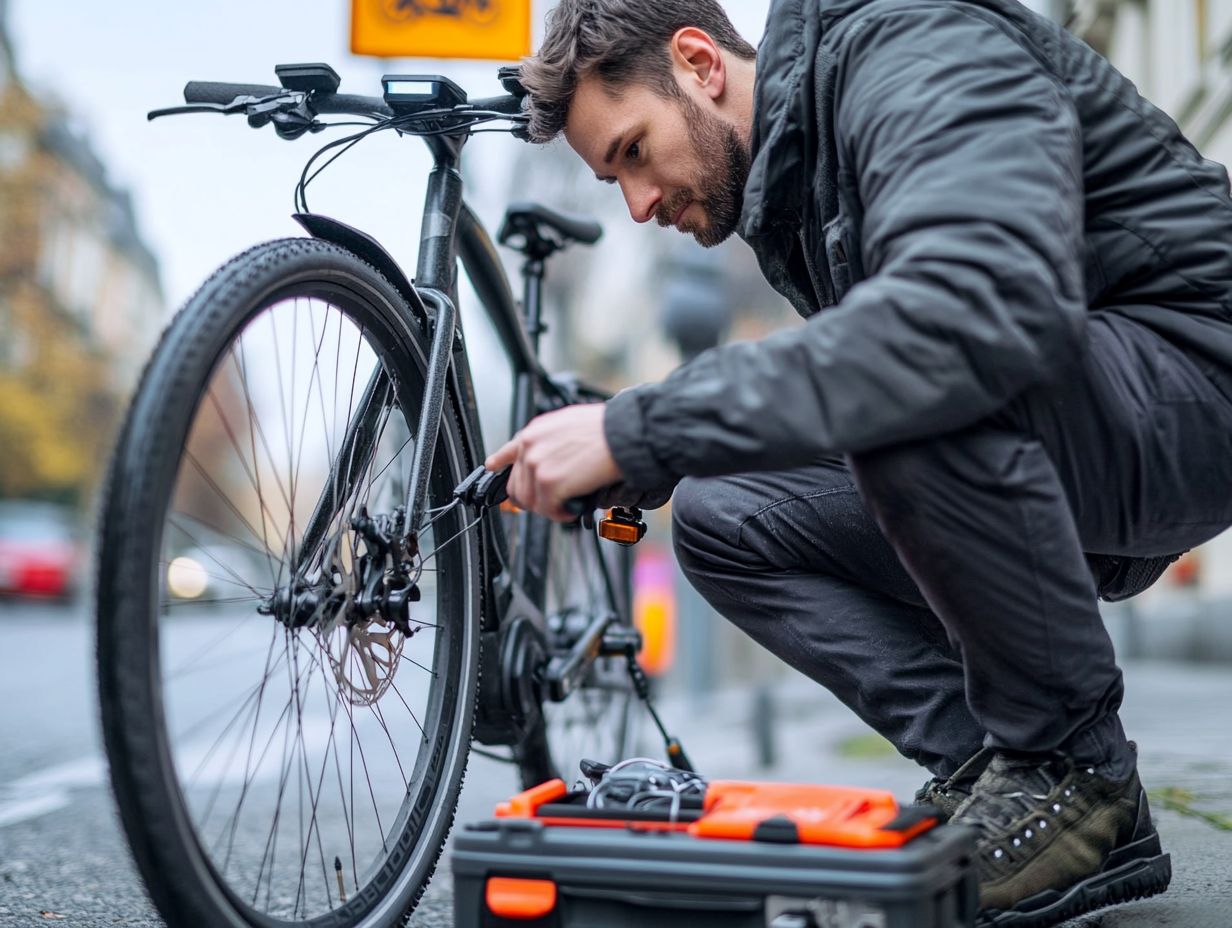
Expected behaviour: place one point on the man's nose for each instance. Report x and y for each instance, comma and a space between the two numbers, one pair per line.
643, 200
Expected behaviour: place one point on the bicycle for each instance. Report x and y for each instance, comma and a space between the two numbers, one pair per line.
308, 598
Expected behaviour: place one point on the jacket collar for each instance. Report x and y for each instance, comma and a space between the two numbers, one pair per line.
784, 138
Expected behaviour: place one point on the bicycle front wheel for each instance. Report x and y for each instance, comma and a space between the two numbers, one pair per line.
286, 746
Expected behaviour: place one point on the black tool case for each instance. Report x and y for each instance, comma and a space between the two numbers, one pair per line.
561, 870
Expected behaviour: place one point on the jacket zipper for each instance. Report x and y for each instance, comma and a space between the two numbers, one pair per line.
821, 289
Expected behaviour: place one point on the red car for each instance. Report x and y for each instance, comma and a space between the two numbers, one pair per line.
39, 551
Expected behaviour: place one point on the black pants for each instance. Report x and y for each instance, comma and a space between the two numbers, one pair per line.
940, 588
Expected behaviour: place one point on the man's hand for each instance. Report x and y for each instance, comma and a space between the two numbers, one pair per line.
558, 456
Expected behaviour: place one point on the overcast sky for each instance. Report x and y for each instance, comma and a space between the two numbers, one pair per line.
206, 187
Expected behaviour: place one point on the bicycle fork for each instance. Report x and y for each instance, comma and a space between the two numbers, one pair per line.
391, 537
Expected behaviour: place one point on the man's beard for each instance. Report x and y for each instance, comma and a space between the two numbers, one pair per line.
720, 191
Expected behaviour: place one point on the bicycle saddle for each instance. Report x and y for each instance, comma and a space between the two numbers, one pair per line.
542, 230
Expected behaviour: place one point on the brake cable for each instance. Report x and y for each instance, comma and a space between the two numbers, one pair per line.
293, 115
403, 125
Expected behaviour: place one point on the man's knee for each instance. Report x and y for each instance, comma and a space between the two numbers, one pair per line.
699, 528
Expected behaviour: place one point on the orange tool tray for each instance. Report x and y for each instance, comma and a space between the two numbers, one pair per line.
734, 810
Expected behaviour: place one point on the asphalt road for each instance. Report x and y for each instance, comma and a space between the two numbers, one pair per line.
63, 859
62, 856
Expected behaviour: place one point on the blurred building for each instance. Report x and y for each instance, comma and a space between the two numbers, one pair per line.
1179, 55
80, 297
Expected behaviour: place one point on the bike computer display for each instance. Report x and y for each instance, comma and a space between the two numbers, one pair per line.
405, 92
305, 78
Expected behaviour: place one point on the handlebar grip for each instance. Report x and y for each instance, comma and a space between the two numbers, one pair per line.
215, 92
582, 505
506, 103
336, 103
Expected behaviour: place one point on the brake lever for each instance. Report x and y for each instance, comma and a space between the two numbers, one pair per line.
190, 108
485, 488
238, 105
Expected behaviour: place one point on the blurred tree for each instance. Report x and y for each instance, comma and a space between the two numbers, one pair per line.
78, 294
57, 408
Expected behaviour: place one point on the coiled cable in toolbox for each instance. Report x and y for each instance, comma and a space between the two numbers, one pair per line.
642, 784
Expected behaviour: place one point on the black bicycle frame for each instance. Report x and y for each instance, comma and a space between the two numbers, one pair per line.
450, 231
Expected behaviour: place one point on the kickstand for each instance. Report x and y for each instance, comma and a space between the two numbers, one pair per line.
641, 685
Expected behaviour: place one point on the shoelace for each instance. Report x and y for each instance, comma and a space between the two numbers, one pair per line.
1011, 789
961, 780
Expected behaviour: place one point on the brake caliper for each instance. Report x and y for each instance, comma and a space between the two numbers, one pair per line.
385, 570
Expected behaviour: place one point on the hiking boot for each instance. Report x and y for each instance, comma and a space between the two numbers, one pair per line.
1057, 840
946, 794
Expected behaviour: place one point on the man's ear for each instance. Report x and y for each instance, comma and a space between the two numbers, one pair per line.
697, 60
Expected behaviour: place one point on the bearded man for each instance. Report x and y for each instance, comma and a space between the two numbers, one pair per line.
1012, 394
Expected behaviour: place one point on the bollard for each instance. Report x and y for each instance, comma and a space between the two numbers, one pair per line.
764, 720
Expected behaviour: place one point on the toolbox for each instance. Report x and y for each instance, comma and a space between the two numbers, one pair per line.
754, 855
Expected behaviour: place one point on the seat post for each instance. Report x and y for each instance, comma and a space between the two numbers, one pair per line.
538, 233
532, 299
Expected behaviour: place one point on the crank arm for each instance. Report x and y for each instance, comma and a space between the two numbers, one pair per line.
565, 673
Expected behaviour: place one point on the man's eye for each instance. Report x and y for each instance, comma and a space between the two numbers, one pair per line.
634, 151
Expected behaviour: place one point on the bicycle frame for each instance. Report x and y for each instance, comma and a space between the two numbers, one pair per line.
451, 231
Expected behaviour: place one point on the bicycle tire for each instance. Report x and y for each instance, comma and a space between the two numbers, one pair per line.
159, 807
598, 720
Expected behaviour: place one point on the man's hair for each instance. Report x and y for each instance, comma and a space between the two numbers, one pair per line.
622, 41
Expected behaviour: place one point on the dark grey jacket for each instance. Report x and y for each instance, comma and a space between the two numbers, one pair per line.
958, 183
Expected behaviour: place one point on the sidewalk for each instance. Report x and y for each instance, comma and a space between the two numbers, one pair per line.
1180, 715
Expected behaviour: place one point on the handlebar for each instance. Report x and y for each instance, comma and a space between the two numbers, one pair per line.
506, 103
332, 103
335, 103
581, 506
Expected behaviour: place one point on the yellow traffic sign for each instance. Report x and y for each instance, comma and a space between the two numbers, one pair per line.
496, 29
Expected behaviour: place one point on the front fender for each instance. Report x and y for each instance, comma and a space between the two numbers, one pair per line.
365, 246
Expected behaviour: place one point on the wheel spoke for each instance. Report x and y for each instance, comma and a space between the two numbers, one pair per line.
307, 711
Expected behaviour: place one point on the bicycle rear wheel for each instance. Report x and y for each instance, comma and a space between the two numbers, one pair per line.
585, 578
284, 753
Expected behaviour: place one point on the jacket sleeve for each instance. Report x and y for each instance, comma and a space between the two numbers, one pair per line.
967, 158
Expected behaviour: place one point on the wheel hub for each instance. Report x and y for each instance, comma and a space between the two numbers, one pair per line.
379, 587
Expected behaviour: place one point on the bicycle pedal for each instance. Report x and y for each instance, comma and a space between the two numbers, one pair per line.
623, 525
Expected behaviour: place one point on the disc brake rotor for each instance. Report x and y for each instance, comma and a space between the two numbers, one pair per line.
368, 660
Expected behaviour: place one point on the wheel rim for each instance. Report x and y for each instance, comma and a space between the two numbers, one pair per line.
304, 757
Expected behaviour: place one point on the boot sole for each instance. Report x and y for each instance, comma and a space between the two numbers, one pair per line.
1137, 879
